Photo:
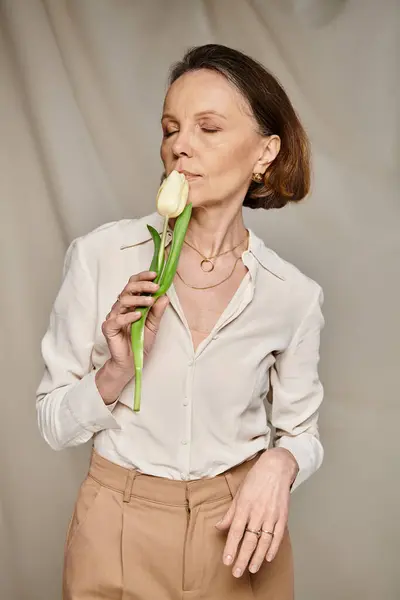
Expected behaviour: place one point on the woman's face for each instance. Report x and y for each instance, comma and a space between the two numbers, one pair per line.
209, 132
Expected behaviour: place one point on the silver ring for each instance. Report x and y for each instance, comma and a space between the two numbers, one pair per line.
257, 533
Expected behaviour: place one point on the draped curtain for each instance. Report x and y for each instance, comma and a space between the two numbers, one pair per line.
81, 89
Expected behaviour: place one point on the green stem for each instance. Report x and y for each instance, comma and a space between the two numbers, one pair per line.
165, 275
137, 328
171, 265
161, 251
137, 339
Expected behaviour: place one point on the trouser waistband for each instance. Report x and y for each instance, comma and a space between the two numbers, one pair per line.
131, 482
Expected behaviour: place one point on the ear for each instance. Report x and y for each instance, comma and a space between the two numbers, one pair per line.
269, 151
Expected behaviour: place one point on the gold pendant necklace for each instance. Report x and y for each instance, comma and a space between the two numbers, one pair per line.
208, 260
208, 287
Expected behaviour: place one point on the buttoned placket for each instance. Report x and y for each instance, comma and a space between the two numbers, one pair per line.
187, 407
240, 300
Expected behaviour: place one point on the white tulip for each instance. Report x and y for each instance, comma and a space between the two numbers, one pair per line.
172, 195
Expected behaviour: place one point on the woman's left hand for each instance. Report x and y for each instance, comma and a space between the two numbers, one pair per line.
261, 502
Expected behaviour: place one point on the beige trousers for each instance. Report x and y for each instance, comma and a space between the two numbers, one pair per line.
138, 537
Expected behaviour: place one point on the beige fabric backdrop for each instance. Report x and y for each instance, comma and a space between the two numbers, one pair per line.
81, 87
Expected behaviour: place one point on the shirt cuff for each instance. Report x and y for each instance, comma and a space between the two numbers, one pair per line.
87, 406
308, 452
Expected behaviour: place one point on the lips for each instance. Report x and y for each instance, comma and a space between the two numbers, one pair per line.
188, 174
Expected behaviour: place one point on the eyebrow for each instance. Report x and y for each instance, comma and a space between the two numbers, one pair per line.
199, 114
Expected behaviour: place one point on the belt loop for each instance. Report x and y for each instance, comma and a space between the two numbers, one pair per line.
129, 484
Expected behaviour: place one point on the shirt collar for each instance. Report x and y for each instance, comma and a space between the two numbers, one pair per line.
266, 257
136, 233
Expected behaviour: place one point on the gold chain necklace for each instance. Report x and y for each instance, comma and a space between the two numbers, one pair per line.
208, 287
208, 260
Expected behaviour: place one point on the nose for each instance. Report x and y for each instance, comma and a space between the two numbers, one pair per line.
182, 144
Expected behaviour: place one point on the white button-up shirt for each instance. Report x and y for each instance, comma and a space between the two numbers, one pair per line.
252, 383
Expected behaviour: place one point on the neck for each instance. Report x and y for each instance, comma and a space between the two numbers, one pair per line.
213, 230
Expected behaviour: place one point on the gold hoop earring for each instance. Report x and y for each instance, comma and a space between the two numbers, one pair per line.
257, 177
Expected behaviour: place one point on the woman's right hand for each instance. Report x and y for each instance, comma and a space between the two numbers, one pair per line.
117, 326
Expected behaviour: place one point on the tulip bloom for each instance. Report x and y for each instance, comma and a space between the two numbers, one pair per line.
171, 200
172, 195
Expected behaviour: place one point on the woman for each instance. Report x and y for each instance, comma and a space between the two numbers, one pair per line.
186, 498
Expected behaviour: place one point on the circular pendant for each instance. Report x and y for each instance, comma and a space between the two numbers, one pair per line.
207, 265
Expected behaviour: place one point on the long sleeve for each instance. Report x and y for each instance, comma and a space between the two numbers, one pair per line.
69, 406
297, 394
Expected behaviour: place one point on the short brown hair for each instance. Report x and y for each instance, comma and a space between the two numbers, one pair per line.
287, 179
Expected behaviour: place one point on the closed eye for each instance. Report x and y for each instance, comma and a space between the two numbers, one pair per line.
168, 134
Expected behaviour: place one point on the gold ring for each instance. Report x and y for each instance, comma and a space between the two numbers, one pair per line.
269, 532
257, 533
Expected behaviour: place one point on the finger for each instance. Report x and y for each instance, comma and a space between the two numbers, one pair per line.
113, 326
234, 538
140, 287
249, 545
156, 313
277, 539
143, 276
263, 546
127, 302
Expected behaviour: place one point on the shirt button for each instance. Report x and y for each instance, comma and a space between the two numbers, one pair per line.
184, 477
185, 402
184, 442
191, 363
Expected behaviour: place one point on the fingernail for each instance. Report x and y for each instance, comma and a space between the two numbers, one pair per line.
228, 559
254, 568
219, 523
269, 558
237, 572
